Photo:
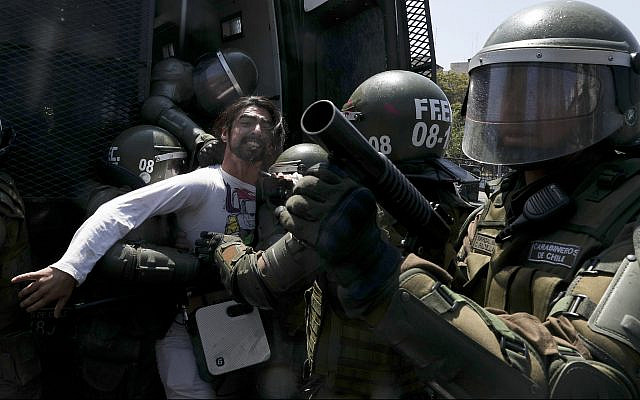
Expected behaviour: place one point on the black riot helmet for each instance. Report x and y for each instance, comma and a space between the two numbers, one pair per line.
550, 81
406, 117
144, 154
273, 189
298, 158
223, 77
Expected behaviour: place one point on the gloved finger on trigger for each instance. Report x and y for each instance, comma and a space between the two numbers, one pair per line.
306, 208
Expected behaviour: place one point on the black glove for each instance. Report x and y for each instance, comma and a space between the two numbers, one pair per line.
331, 213
210, 150
205, 246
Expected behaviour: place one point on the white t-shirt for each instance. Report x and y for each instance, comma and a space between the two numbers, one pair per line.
207, 199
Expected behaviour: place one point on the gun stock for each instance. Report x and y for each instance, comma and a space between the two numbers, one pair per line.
325, 124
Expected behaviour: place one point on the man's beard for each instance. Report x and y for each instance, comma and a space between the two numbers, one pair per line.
250, 149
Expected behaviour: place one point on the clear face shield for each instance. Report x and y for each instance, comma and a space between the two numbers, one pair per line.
528, 112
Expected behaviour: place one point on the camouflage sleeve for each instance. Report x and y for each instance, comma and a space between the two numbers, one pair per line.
266, 279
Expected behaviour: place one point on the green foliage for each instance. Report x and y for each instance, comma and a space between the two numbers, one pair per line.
454, 85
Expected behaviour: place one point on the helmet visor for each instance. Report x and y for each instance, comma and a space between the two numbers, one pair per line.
520, 113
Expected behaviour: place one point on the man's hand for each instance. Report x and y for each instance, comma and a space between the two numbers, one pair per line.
48, 285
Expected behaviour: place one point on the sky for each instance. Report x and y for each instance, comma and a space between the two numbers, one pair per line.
460, 27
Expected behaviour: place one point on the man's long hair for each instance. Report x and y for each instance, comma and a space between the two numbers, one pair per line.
225, 120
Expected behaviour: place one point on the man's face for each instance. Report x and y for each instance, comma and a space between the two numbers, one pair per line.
250, 137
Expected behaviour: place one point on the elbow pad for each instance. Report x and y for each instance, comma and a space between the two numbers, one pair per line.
288, 266
148, 264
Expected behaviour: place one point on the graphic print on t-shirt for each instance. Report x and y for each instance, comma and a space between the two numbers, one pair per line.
241, 206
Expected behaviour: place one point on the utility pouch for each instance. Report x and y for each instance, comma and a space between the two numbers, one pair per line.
617, 315
227, 336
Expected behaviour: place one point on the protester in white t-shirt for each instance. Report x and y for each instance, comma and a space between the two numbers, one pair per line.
217, 198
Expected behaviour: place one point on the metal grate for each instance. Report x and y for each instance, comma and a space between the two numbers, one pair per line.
72, 76
421, 49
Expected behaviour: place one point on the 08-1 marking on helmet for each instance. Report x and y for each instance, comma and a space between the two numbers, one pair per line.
382, 144
428, 136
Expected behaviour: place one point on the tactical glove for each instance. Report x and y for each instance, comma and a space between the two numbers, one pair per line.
210, 150
205, 247
332, 214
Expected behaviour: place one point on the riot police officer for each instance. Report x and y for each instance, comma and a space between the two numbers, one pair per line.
115, 318
407, 117
553, 94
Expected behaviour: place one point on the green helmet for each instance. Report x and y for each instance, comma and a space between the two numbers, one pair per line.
551, 80
298, 158
144, 154
406, 117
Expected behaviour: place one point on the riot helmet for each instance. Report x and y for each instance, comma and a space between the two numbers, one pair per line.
406, 117
223, 77
274, 190
144, 154
298, 158
552, 80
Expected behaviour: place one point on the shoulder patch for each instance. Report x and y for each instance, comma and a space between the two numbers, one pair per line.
561, 254
483, 244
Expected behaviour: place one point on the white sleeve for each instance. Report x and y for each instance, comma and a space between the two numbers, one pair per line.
114, 219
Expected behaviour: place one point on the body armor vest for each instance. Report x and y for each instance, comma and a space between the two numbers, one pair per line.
349, 359
529, 271
573, 269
